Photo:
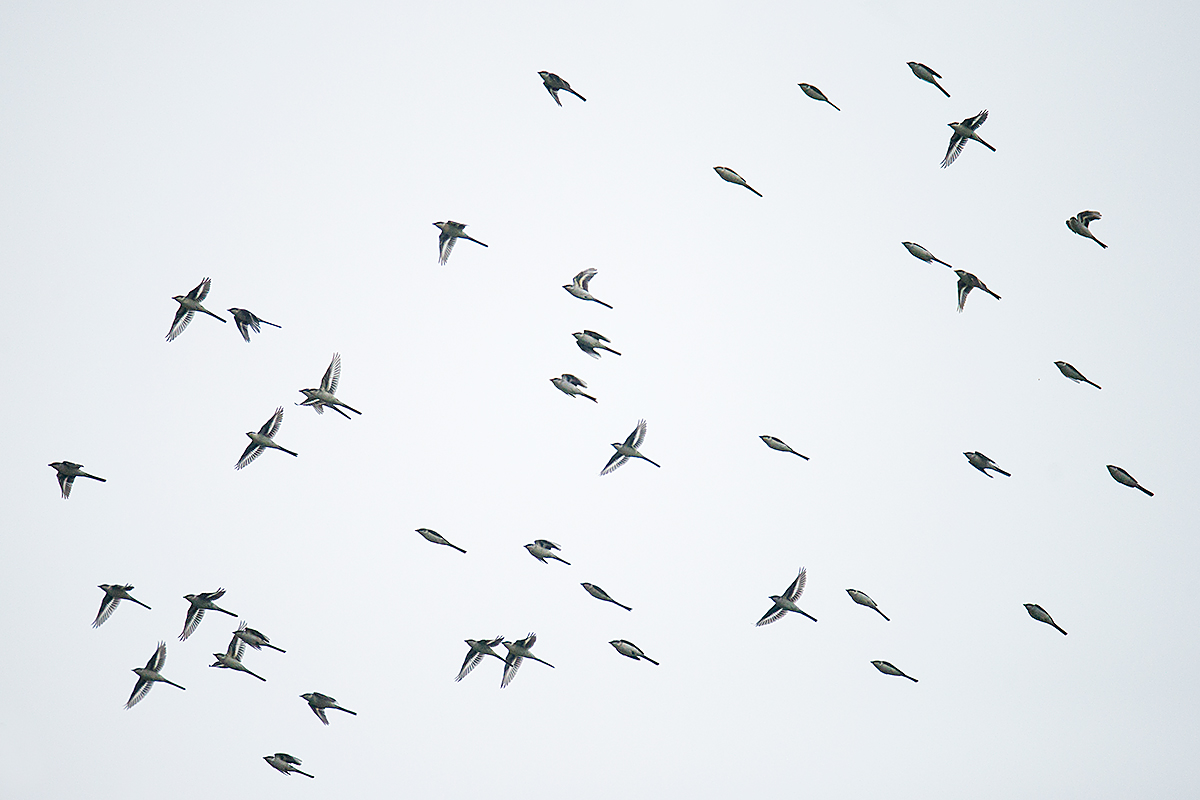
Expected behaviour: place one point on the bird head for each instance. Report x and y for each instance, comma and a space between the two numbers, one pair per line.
775, 597
189, 597
543, 73
179, 298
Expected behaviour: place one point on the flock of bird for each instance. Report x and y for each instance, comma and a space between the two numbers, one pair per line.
593, 344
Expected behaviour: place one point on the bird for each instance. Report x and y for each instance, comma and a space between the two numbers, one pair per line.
967, 282
114, 593
863, 600
255, 639
631, 650
778, 444
246, 321
923, 254
1072, 373
1121, 476
479, 648
962, 131
727, 174
437, 538
68, 471
319, 702
286, 764
926, 74
816, 94
197, 605
569, 384
598, 593
1039, 613
982, 463
590, 341
265, 438
518, 651
888, 669
555, 84
451, 232
786, 602
189, 304
149, 675
324, 397
1079, 224
628, 449
578, 287
541, 549
232, 658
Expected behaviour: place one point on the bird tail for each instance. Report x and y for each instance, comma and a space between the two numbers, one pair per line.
885, 616
648, 658
273, 647
756, 191
93, 477
1097, 241
622, 605
355, 410
601, 302
140, 603
223, 611
302, 772
943, 263
260, 677
176, 685
568, 563
589, 397
289, 452
348, 711
810, 616
914, 680
652, 462
272, 324
459, 549
831, 103
1060, 630
609, 349
469, 239
1085, 380
1144, 489
793, 452
985, 144
935, 83
211, 314
1002, 472
577, 94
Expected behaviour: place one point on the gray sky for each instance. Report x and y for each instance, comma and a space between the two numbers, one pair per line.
297, 154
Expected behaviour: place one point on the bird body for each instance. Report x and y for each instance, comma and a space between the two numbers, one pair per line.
816, 94
962, 132
114, 593
578, 287
255, 639
923, 254
68, 471
555, 84
727, 174
479, 649
541, 549
286, 764
325, 396
631, 650
1072, 373
926, 74
518, 651
863, 600
778, 444
967, 282
263, 440
590, 341
889, 669
232, 658
246, 321
982, 463
598, 593
197, 605
1080, 222
189, 304
451, 232
783, 603
1121, 476
1039, 613
150, 675
437, 538
319, 702
570, 385
628, 449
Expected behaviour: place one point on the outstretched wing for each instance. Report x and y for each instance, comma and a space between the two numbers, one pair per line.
797, 588
182, 318
614, 463
583, 278
974, 122
332, 375
251, 452
775, 613
1086, 217
446, 244
140, 690
107, 606
598, 336
194, 617
638, 436
471, 662
65, 482
201, 291
957, 143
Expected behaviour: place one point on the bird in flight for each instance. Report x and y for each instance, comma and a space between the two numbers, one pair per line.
631, 650
923, 254
114, 593
967, 282
232, 658
628, 449
319, 702
1072, 373
816, 94
887, 668
451, 232
198, 604
68, 471
982, 463
555, 84
1123, 477
479, 648
518, 651
590, 341
863, 600
324, 397
437, 538
541, 549
1039, 613
1079, 224
787, 601
246, 321
255, 639
962, 132
727, 174
578, 287
780, 445
264, 439
926, 74
598, 593
286, 764
189, 304
149, 675
571, 385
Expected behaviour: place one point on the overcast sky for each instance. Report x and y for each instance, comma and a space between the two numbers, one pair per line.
297, 153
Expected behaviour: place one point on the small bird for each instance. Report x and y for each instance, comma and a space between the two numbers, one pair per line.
189, 304
451, 232
149, 675
786, 602
863, 600
264, 439
255, 639
197, 605
324, 397
590, 341
982, 463
518, 651
778, 444
571, 385
1072, 373
816, 94
1079, 224
286, 764
578, 287
727, 174
541, 549
479, 649
246, 321
319, 702
437, 538
598, 593
922, 253
628, 449
967, 282
232, 658
962, 131
114, 593
555, 84
1039, 613
68, 471
1121, 476
888, 669
631, 650
926, 74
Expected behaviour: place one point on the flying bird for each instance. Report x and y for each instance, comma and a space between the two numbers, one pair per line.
149, 675
255, 639
319, 702
325, 396
967, 282
286, 764
569, 384
264, 439
246, 321
197, 605
479, 648
598, 593
816, 94
962, 132
923, 254
631, 650
727, 174
863, 600
1121, 476
578, 287
189, 304
1079, 224
787, 601
232, 658
888, 669
982, 463
114, 593
555, 84
518, 651
541, 549
451, 232
628, 449
779, 444
1039, 613
67, 473
437, 538
926, 74
1072, 373
590, 341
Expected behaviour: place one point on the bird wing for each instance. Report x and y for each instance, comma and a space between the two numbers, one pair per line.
977, 120
640, 430
773, 614
797, 588
528, 642
964, 289
140, 690
274, 422
930, 71
332, 375
571, 379
546, 543
446, 241
598, 336
615, 462
107, 606
288, 759
251, 452
553, 93
582, 279
159, 660
474, 657
1086, 217
512, 663
320, 712
201, 291
243, 327
65, 482
182, 318
194, 617
957, 143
